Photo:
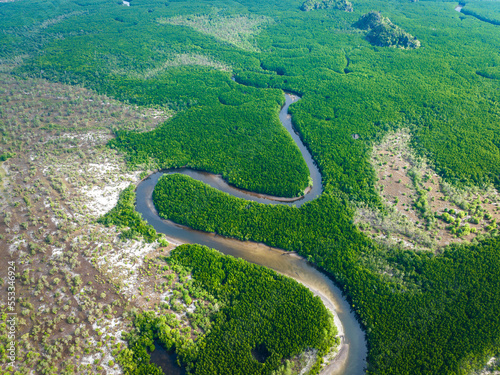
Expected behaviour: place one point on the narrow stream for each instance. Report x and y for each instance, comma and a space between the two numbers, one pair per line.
351, 359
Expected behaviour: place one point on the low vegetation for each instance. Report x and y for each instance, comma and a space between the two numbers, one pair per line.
237, 30
124, 215
71, 306
422, 210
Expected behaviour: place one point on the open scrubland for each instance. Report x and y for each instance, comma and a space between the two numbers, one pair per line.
88, 291
421, 210
72, 306
81, 284
407, 141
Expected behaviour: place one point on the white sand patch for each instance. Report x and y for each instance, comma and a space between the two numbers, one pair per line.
57, 251
5, 174
16, 245
309, 356
489, 369
55, 221
191, 308
115, 370
101, 200
91, 138
179, 301
102, 168
5, 167
124, 262
89, 359
165, 296
112, 328
180, 316
78, 299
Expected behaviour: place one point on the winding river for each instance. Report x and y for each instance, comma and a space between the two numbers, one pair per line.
351, 359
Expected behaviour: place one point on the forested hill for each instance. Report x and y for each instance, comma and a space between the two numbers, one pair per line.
383, 33
326, 4
424, 312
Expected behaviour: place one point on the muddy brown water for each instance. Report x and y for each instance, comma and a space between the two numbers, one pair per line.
352, 357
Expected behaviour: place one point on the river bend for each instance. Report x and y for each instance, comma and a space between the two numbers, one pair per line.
351, 359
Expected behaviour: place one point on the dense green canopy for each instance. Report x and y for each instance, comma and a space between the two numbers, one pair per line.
263, 319
429, 313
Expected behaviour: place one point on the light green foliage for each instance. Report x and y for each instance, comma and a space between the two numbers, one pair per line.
237, 30
421, 203
492, 226
447, 218
123, 215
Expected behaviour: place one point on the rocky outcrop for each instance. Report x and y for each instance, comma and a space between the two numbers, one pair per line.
326, 4
382, 32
